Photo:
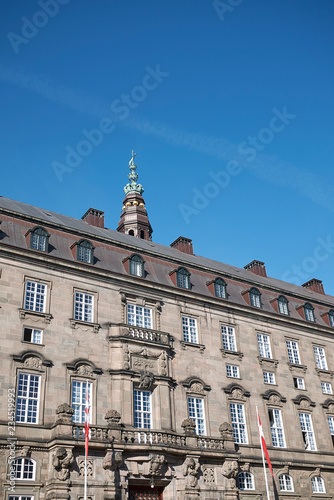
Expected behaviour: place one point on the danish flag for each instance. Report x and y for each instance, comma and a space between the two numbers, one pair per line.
263, 443
86, 421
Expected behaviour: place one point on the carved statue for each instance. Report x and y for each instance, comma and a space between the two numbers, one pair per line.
146, 380
112, 460
156, 465
190, 469
62, 461
230, 471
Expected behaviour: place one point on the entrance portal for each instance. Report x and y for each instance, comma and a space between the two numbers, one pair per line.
144, 493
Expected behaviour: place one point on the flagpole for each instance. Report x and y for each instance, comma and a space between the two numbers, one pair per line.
264, 463
86, 438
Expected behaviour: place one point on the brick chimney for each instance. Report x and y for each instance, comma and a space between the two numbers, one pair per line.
94, 217
257, 267
315, 285
183, 244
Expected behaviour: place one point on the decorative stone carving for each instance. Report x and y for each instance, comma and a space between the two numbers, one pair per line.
225, 427
245, 467
230, 471
157, 463
84, 371
163, 364
190, 470
237, 394
146, 380
62, 461
126, 357
274, 399
33, 362
64, 413
188, 426
113, 417
197, 387
81, 465
209, 476
112, 462
24, 452
305, 404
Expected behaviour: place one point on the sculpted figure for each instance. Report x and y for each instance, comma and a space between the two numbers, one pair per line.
156, 465
190, 469
62, 461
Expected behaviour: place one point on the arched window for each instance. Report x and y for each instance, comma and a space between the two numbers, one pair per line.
137, 266
183, 278
85, 252
39, 239
309, 312
220, 288
255, 297
283, 305
24, 469
142, 235
285, 482
331, 317
318, 485
245, 481
131, 232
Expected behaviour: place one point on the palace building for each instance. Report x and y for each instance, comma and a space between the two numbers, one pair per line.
174, 351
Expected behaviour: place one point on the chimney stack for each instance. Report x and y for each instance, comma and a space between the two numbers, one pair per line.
256, 267
315, 285
94, 217
183, 244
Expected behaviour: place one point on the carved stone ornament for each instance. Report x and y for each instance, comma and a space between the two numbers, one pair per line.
24, 452
64, 413
225, 427
197, 387
113, 417
84, 371
237, 394
126, 357
190, 469
245, 467
274, 399
146, 380
112, 460
305, 404
230, 468
163, 364
209, 476
81, 465
62, 461
33, 362
157, 463
188, 426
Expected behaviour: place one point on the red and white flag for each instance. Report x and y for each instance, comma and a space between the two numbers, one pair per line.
86, 421
263, 442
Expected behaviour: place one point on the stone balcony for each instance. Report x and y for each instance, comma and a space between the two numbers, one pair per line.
140, 334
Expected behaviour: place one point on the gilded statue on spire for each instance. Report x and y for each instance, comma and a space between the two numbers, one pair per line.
132, 186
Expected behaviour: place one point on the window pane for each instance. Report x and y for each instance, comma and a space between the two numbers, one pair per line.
307, 431
228, 337
293, 352
78, 401
83, 307
27, 398
264, 345
139, 316
320, 357
196, 413
35, 296
238, 423
142, 409
189, 329
276, 427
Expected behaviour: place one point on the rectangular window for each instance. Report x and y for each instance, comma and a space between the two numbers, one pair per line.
228, 335
32, 335
264, 345
38, 242
189, 329
269, 378
142, 409
35, 296
139, 316
326, 388
78, 401
276, 427
331, 427
83, 306
320, 357
299, 383
307, 431
20, 497
196, 413
232, 371
27, 400
293, 352
238, 423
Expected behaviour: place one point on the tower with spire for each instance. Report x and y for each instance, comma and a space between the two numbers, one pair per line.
134, 219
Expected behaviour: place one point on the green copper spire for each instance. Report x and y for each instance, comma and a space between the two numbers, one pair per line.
132, 186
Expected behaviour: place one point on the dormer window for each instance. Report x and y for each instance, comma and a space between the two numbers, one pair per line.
220, 288
283, 305
183, 278
331, 317
309, 312
137, 266
39, 239
255, 297
85, 252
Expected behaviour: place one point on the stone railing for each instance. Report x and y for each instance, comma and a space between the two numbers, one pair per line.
139, 333
210, 443
153, 437
96, 433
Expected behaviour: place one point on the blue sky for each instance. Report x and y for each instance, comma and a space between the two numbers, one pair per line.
228, 104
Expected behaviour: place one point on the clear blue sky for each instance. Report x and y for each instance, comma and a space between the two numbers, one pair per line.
242, 90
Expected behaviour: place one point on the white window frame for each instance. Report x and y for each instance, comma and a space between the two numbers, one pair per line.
255, 298
140, 316
263, 341
326, 388
36, 335
232, 371
142, 409
197, 414
293, 352
307, 431
238, 419
320, 357
84, 306
35, 296
26, 400
309, 312
276, 428
285, 483
228, 338
300, 383
136, 266
269, 378
318, 485
283, 305
79, 403
331, 427
24, 467
21, 497
189, 329
246, 481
